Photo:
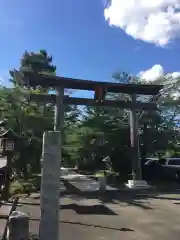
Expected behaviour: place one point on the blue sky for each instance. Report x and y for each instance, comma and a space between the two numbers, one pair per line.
81, 41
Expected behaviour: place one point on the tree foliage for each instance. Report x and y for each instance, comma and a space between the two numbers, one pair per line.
30, 119
90, 133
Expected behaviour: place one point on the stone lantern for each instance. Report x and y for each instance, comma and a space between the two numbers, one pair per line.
8, 144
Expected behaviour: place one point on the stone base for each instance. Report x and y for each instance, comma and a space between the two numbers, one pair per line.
137, 184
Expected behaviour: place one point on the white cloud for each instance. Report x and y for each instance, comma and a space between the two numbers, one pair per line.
156, 72
169, 80
175, 95
152, 74
175, 74
155, 21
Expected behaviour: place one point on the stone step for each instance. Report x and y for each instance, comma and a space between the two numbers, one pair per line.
83, 183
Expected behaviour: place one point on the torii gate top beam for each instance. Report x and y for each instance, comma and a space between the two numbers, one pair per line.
72, 83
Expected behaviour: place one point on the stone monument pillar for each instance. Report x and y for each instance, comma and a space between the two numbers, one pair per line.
50, 186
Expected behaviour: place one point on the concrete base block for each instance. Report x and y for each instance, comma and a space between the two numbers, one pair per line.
137, 184
18, 226
102, 184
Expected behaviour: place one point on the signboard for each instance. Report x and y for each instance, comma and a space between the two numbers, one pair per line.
9, 145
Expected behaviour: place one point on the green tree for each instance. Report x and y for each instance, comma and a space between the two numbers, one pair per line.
27, 118
36, 62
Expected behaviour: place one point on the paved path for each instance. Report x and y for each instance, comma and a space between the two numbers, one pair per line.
5, 210
114, 217
149, 219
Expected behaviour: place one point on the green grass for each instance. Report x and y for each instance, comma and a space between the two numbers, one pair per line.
22, 186
15, 188
101, 173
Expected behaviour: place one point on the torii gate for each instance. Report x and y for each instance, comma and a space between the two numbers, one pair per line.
52, 171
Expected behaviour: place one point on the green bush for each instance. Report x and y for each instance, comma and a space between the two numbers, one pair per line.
22, 187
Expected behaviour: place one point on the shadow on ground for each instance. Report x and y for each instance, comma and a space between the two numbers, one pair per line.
84, 209
136, 198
